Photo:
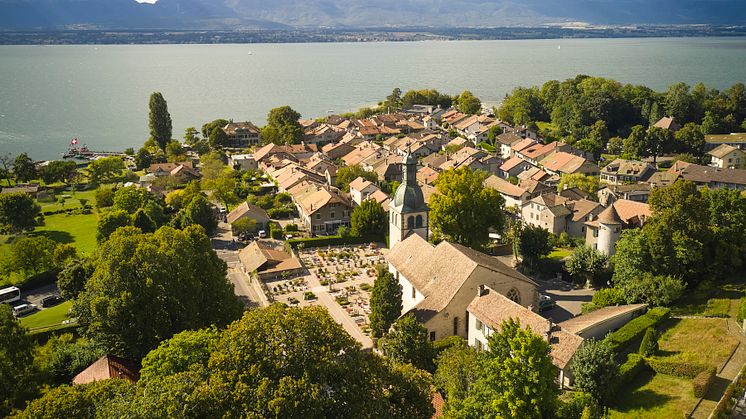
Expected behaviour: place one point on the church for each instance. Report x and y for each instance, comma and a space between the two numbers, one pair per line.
440, 281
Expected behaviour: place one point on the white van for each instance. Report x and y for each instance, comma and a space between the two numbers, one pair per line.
23, 309
262, 234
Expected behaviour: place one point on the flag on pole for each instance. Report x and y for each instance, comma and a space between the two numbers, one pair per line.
74, 141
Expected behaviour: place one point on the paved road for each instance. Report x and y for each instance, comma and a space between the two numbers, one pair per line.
568, 299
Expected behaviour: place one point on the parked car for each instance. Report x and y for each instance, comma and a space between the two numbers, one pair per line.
51, 301
262, 234
546, 302
23, 309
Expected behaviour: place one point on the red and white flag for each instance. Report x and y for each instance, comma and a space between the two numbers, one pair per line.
74, 141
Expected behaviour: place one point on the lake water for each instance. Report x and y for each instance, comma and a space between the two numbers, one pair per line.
99, 94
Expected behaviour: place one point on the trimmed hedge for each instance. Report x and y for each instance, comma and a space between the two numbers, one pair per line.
311, 242
703, 381
676, 367
635, 329
629, 370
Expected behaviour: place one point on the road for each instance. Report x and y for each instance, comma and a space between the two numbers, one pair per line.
569, 300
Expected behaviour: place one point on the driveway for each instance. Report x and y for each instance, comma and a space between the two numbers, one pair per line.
569, 300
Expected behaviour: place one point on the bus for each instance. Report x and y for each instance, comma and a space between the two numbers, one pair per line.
10, 295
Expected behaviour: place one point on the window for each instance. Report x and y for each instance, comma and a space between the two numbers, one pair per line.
432, 336
331, 215
595, 233
414, 292
418, 221
318, 216
514, 295
410, 222
478, 325
455, 326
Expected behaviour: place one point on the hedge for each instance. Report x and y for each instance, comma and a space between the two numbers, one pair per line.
332, 241
703, 381
734, 390
636, 328
742, 310
628, 371
676, 367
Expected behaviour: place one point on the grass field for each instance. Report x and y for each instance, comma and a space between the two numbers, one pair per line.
80, 230
560, 253
653, 395
716, 300
48, 317
72, 201
701, 340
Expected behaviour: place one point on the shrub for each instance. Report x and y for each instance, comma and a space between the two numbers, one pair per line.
703, 381
628, 371
343, 301
441, 345
308, 295
576, 406
742, 310
608, 297
291, 227
636, 328
649, 344
676, 367
365, 286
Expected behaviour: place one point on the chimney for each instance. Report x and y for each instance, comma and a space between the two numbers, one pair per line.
481, 291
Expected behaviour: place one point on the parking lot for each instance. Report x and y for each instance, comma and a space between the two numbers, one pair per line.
568, 300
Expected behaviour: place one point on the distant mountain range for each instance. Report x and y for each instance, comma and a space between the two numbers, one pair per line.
279, 14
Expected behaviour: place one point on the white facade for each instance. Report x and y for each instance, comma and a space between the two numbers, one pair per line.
410, 295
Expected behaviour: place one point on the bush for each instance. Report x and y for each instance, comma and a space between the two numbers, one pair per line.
636, 328
608, 297
634, 365
676, 367
308, 295
649, 344
291, 227
703, 381
577, 404
441, 345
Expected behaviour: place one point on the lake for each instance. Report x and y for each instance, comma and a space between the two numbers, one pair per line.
99, 93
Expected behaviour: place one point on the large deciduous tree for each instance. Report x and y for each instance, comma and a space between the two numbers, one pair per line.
533, 244
468, 103
18, 212
198, 211
282, 127
369, 219
59, 171
16, 362
586, 263
159, 120
595, 370
24, 168
407, 342
106, 170
385, 302
588, 184
463, 210
172, 275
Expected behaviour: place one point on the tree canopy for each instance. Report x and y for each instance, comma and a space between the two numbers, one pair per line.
385, 302
159, 120
369, 219
468, 103
24, 168
282, 127
463, 210
595, 370
347, 174
18, 212
16, 362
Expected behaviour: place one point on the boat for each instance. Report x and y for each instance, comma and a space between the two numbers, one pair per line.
78, 153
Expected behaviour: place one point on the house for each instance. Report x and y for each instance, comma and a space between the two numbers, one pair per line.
164, 169
386, 167
621, 171
662, 179
604, 231
726, 156
31, 189
513, 167
242, 134
336, 150
361, 189
737, 140
294, 152
558, 214
598, 323
242, 162
514, 195
322, 134
668, 122
711, 177
562, 163
506, 141
109, 366
439, 282
321, 209
247, 210
489, 309
184, 174
269, 264
639, 192
361, 152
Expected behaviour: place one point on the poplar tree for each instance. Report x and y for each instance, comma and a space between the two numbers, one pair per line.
159, 120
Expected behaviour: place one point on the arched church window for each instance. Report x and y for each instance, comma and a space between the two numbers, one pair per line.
418, 221
410, 222
514, 295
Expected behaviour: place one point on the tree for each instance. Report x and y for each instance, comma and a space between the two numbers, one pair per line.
62, 357
679, 102
106, 169
175, 151
18, 212
385, 302
223, 189
217, 138
595, 370
212, 166
104, 197
468, 103
690, 139
347, 174
615, 145
109, 222
522, 106
142, 220
458, 368
649, 344
172, 275
282, 127
369, 219
596, 140
16, 362
463, 210
516, 378
71, 280
657, 141
533, 244
143, 158
159, 120
589, 184
199, 211
244, 226
179, 354
180, 198
58, 171
586, 263
24, 168
407, 342
79, 401
393, 101
5, 160
635, 146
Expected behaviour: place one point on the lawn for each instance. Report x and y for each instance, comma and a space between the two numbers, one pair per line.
80, 230
560, 253
714, 300
48, 317
700, 340
72, 200
653, 395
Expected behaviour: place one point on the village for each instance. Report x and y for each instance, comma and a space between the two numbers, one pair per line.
290, 236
